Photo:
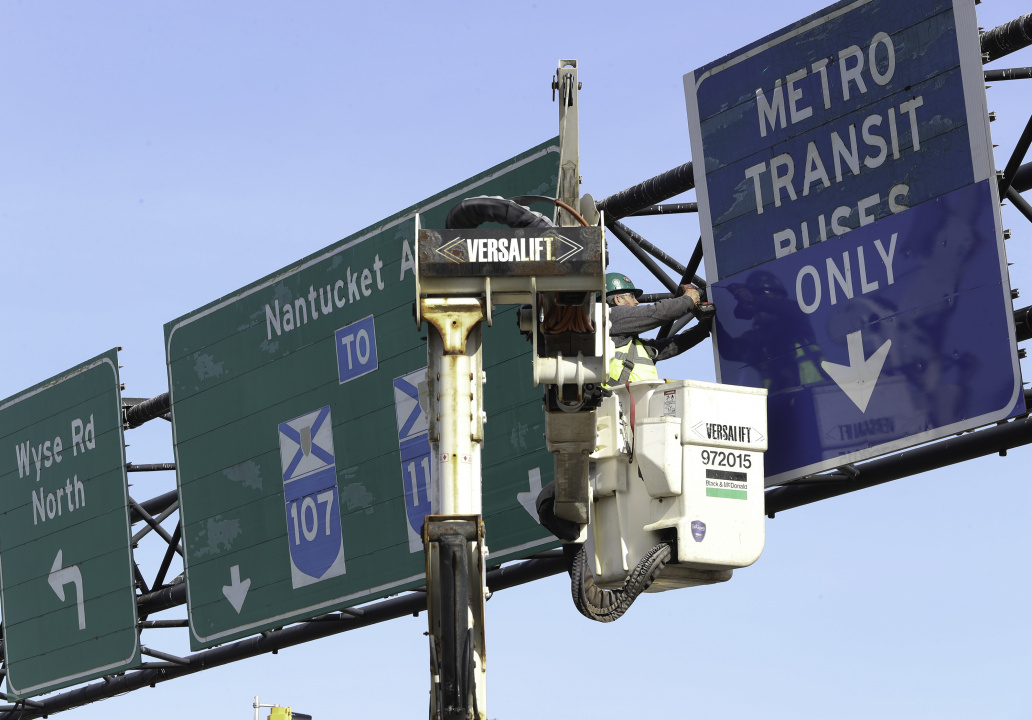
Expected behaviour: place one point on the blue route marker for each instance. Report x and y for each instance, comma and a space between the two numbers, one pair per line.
851, 227
356, 349
312, 501
414, 442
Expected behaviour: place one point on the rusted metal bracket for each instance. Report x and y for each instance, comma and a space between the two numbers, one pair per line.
453, 318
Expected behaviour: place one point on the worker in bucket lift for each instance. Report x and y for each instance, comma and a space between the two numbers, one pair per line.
635, 358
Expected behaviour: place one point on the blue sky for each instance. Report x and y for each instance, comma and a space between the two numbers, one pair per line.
156, 156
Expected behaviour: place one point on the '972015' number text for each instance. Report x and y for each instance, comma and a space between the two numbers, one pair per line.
723, 458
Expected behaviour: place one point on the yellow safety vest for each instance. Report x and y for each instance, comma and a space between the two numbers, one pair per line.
630, 363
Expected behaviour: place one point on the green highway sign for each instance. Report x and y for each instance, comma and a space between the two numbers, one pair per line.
302, 454
66, 571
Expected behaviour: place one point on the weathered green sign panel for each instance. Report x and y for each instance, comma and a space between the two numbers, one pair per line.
66, 572
301, 448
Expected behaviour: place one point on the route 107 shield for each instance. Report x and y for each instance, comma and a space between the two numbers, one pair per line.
312, 503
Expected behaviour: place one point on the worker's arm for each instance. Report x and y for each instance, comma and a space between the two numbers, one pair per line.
637, 319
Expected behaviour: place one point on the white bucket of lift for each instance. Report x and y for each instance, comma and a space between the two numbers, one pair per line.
694, 480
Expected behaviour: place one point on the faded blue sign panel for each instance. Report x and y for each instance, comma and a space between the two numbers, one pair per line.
851, 225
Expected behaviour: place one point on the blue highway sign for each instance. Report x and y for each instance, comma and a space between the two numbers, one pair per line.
850, 219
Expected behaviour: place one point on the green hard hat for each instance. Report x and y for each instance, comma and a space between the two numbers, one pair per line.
618, 284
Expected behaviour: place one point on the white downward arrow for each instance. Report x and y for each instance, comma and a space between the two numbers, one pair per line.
858, 378
236, 591
61, 576
529, 499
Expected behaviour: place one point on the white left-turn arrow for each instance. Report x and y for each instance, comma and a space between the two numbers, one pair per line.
236, 591
61, 576
858, 378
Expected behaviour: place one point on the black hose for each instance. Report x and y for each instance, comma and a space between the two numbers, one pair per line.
136, 415
474, 212
601, 605
657, 189
592, 601
469, 682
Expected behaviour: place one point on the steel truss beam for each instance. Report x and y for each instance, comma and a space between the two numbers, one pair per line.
1020, 203
1022, 178
625, 235
996, 439
1016, 157
1008, 74
673, 208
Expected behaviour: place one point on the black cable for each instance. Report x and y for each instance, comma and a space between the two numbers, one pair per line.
1007, 38
155, 407
474, 212
601, 605
656, 189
